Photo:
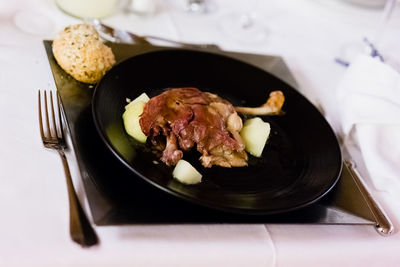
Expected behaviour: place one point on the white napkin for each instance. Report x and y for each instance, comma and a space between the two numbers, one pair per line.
369, 101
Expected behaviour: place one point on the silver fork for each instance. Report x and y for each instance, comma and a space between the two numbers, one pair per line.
81, 230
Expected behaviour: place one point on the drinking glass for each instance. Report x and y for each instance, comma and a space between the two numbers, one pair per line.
245, 25
195, 6
368, 46
88, 8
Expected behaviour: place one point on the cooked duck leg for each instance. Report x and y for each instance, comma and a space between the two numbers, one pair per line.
188, 117
271, 107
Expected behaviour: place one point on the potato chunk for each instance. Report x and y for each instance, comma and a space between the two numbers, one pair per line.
185, 173
255, 133
131, 117
143, 97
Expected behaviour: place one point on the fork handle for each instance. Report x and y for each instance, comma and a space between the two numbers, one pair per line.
81, 230
183, 44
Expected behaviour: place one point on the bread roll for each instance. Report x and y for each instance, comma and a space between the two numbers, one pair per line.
80, 52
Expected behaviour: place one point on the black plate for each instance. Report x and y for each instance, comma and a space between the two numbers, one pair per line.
300, 163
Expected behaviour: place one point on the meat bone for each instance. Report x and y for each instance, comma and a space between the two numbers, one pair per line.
273, 106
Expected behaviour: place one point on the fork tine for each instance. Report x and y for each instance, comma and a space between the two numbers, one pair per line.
47, 115
53, 117
59, 116
40, 115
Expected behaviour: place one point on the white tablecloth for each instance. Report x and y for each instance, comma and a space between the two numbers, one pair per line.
308, 34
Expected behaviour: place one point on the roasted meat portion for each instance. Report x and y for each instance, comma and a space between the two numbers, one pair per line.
181, 118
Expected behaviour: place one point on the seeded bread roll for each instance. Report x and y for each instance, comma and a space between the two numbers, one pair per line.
79, 51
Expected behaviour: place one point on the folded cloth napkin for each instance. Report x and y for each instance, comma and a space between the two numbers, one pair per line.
369, 101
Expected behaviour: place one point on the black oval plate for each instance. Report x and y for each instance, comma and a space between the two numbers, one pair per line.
300, 163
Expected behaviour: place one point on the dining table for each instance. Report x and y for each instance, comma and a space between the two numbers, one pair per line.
308, 36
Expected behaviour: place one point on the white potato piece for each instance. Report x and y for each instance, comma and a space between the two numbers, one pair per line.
131, 121
143, 97
131, 117
185, 173
255, 133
